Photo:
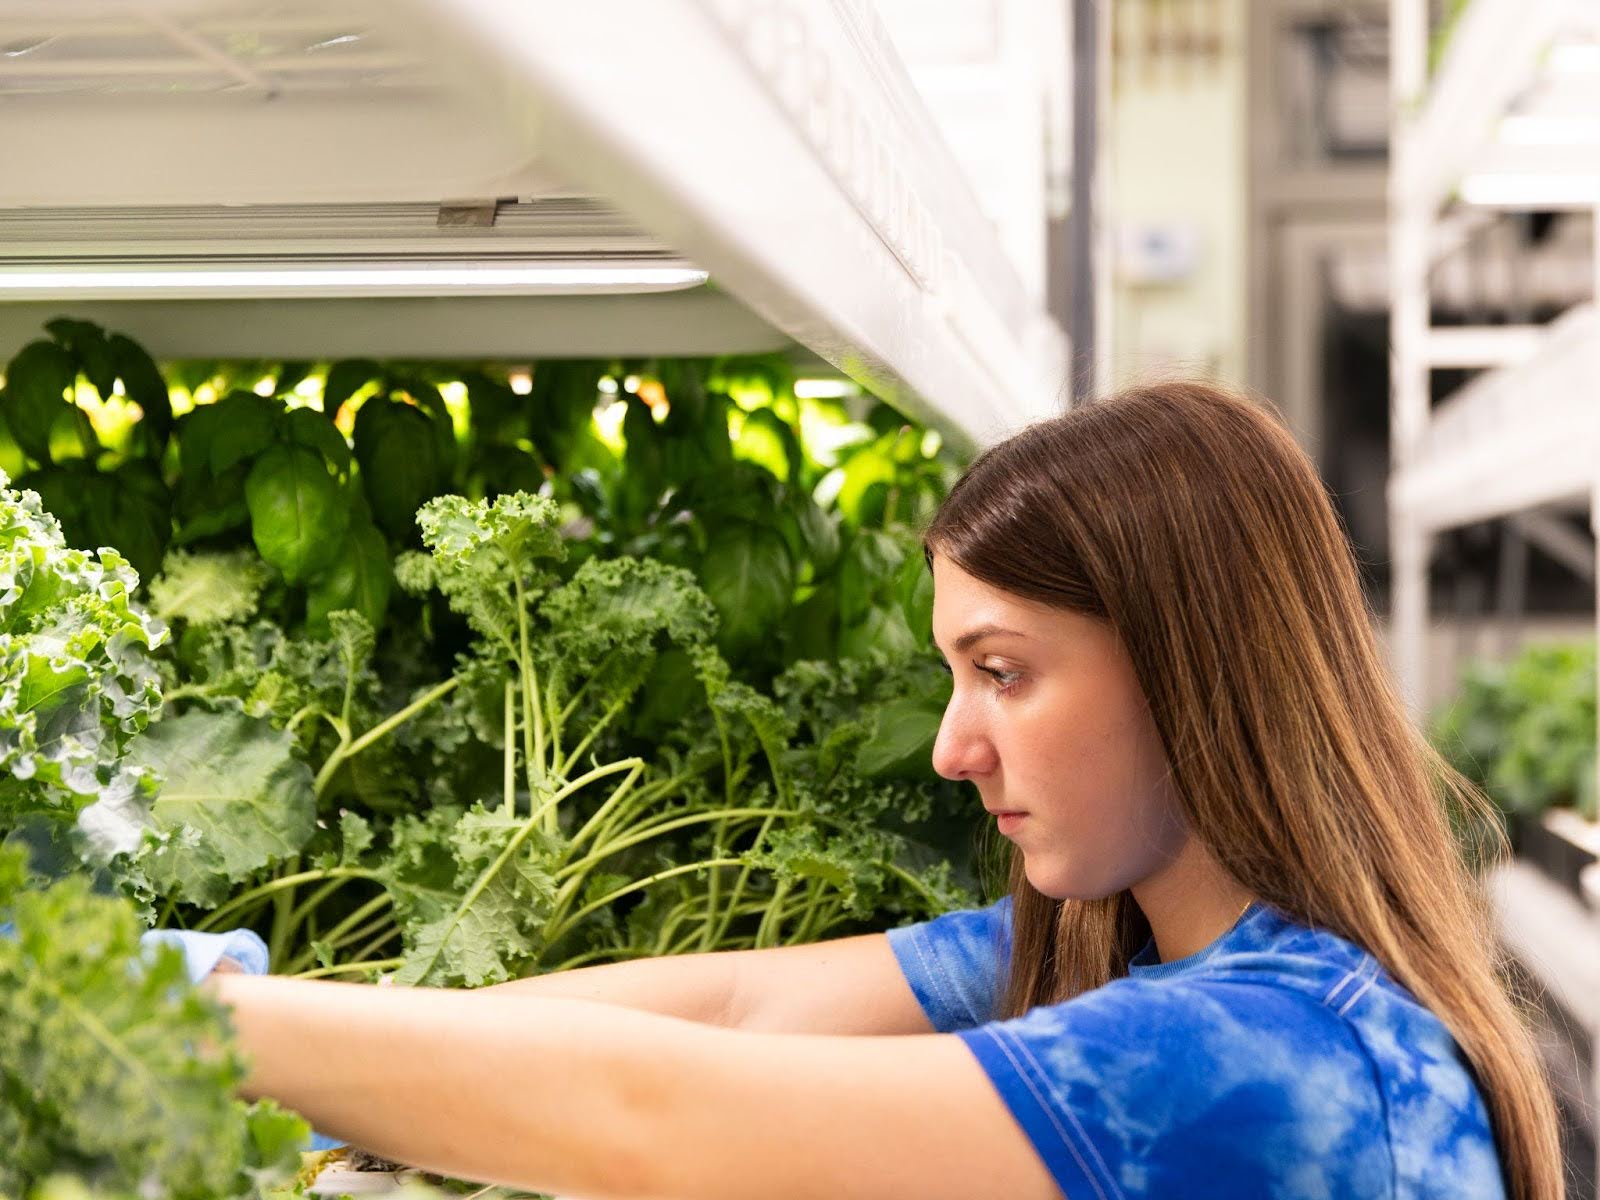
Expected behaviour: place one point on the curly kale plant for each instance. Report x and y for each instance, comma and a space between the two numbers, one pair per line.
117, 1074
76, 681
548, 834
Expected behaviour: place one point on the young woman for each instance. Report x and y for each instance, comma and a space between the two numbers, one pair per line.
1241, 955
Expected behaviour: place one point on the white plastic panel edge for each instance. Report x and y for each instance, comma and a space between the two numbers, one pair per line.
834, 243
1512, 438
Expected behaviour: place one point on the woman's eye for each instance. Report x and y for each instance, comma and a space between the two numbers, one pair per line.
1006, 679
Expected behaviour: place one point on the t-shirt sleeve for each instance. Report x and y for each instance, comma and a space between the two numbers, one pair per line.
1194, 1089
955, 963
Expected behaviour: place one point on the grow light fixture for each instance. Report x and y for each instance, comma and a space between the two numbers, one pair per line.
1532, 189
1574, 58
1550, 129
23, 279
824, 389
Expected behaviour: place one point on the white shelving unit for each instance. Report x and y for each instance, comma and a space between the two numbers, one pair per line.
777, 147
1510, 120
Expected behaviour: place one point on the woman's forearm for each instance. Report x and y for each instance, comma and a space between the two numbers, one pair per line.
546, 1093
695, 987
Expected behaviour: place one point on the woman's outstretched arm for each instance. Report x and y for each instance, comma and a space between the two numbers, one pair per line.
607, 1103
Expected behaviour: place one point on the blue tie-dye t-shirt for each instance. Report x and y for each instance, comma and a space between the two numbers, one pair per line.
1280, 1061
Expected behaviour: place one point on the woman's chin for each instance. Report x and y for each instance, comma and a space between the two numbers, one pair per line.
1062, 884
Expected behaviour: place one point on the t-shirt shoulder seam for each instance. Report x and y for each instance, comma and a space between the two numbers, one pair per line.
1034, 1076
941, 983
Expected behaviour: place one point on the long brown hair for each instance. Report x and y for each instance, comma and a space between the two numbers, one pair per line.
1190, 519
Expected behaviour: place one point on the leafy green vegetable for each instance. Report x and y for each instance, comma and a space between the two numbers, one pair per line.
76, 680
204, 589
36, 385
232, 800
297, 516
117, 1074
1526, 731
398, 447
359, 579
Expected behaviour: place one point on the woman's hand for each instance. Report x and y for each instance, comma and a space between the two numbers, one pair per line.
235, 952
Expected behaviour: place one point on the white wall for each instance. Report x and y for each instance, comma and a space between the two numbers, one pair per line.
1176, 162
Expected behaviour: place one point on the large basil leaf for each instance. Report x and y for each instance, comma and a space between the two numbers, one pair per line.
359, 578
144, 386
883, 629
131, 509
197, 429
397, 449
749, 576
208, 506
245, 424
307, 427
86, 341
867, 573
36, 386
344, 380
902, 743
297, 514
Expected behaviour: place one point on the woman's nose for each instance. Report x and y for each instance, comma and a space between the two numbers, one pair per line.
961, 751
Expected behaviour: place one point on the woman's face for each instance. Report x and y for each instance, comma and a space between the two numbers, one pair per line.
1047, 718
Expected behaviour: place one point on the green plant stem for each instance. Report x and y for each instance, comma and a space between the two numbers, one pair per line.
812, 918
341, 933
348, 750
376, 931
282, 910
376, 944
349, 693
509, 780
380, 964
346, 933
772, 919
217, 917
695, 938
645, 833
553, 935
583, 688
738, 887
309, 905
310, 710
595, 731
634, 767
533, 720
916, 884
720, 840
646, 795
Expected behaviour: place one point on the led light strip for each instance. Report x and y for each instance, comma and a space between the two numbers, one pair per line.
33, 281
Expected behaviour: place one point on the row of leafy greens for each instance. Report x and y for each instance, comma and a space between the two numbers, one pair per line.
1524, 731
610, 666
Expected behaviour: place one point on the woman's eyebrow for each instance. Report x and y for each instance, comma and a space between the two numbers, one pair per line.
972, 636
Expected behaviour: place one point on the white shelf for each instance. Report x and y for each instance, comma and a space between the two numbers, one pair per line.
1497, 65
1513, 438
1554, 935
777, 145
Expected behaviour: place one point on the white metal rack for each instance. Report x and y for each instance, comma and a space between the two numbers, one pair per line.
776, 145
1510, 120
